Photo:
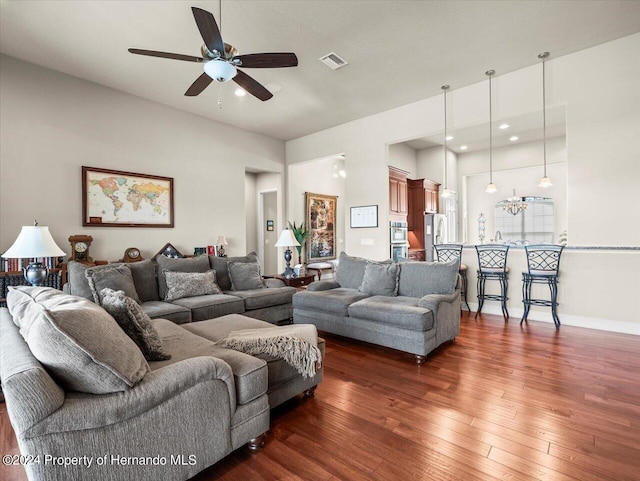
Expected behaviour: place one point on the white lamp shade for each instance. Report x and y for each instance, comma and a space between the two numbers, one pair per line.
34, 241
287, 239
491, 188
545, 182
222, 241
219, 70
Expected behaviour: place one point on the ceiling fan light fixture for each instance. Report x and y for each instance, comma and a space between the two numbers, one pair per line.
220, 70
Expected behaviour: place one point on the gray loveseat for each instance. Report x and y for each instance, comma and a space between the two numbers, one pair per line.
99, 401
268, 299
410, 306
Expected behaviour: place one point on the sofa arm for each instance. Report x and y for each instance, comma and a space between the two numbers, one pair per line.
322, 285
273, 282
433, 301
82, 411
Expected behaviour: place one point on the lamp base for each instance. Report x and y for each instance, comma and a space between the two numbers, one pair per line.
289, 273
36, 274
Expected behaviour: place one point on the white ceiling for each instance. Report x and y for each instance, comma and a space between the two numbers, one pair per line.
398, 51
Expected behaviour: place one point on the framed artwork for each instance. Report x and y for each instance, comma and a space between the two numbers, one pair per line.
269, 225
364, 216
321, 221
111, 198
169, 251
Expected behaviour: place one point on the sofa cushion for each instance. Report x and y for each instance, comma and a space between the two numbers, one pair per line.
350, 271
115, 276
417, 279
335, 301
244, 276
190, 284
259, 298
134, 322
78, 342
167, 310
399, 311
189, 264
250, 373
145, 278
380, 279
78, 284
210, 306
220, 265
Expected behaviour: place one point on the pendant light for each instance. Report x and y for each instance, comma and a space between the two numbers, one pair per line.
491, 188
446, 193
545, 181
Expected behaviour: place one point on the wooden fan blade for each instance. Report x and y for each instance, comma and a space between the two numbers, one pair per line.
173, 56
268, 60
209, 30
252, 86
199, 85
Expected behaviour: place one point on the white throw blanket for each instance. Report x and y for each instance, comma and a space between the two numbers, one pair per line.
296, 344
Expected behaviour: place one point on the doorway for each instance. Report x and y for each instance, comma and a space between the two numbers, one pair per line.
268, 234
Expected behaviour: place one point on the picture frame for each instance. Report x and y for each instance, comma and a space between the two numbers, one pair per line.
270, 225
113, 198
169, 251
364, 216
321, 222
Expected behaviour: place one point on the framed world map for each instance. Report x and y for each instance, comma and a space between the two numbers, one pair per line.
111, 198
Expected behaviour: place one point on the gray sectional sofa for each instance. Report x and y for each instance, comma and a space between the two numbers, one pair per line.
410, 306
268, 299
79, 390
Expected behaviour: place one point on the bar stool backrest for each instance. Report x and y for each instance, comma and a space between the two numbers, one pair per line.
448, 253
492, 257
543, 259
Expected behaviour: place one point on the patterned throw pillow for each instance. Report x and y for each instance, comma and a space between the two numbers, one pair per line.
135, 323
190, 284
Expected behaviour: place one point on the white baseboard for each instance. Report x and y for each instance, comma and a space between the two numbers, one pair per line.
565, 319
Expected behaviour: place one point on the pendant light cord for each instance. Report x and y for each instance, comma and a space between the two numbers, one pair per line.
490, 74
445, 88
544, 114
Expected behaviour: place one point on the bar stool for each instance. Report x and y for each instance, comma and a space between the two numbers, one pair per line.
543, 267
492, 264
450, 252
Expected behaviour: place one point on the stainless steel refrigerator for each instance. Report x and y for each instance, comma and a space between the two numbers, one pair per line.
435, 232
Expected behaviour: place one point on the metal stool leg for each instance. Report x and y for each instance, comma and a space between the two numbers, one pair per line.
553, 286
464, 288
526, 297
504, 285
480, 294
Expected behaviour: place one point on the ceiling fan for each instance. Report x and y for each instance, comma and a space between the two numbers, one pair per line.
221, 60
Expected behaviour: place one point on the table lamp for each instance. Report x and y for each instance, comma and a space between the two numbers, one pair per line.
33, 242
222, 241
287, 239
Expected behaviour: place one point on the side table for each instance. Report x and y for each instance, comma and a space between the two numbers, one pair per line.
299, 282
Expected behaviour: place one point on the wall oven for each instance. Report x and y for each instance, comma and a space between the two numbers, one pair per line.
399, 252
398, 232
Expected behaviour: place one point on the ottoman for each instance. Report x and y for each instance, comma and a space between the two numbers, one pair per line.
284, 382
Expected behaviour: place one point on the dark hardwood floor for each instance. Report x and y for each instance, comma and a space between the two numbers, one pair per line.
500, 403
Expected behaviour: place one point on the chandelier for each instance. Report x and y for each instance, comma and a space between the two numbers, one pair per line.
514, 205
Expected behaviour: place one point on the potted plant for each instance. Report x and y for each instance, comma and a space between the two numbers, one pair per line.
301, 233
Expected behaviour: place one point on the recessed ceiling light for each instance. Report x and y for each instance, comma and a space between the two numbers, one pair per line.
449, 137
463, 147
503, 126
240, 92
513, 138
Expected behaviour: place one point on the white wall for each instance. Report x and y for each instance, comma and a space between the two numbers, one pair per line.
430, 164
251, 212
403, 157
270, 183
52, 124
598, 86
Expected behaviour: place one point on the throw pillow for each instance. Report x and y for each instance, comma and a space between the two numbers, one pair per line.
190, 284
417, 279
77, 283
145, 279
188, 264
380, 279
245, 276
350, 271
117, 277
78, 342
221, 266
135, 323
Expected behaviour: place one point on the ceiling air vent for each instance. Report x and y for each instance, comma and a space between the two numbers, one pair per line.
333, 61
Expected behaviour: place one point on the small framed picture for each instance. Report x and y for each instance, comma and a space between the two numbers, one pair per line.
169, 251
364, 216
269, 225
211, 250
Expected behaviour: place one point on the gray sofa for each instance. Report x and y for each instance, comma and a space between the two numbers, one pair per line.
185, 413
269, 301
410, 306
